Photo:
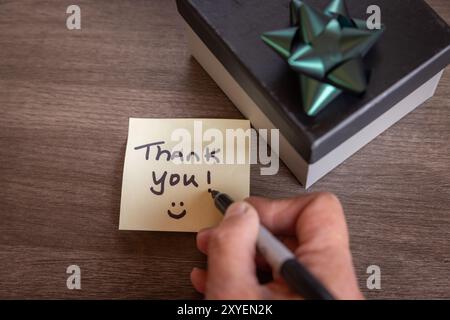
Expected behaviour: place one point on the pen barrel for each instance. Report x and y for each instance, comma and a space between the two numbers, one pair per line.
303, 282
272, 249
285, 263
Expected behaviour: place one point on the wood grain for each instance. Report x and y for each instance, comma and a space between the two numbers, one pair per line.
65, 100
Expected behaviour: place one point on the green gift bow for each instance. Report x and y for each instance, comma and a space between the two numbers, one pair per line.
326, 49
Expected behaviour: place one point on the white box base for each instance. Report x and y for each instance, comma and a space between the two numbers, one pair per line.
305, 172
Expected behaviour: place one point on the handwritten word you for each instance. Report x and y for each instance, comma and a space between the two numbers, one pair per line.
173, 180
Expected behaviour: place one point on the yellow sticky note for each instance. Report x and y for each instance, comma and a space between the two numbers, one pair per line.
170, 166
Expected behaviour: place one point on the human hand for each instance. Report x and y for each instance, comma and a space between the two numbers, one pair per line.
312, 226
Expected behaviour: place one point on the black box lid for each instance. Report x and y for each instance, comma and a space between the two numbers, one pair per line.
414, 47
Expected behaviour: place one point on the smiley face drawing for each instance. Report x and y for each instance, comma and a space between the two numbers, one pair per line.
177, 215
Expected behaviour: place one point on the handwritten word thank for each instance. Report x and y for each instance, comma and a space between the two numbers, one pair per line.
210, 156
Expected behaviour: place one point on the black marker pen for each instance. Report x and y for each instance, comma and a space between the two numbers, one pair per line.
281, 259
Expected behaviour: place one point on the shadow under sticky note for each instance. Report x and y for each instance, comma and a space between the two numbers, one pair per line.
170, 166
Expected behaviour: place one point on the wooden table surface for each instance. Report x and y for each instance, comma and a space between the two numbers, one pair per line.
65, 100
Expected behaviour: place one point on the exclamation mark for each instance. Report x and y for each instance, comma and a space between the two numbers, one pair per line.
208, 179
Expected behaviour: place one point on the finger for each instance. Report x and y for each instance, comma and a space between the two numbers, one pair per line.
324, 246
290, 242
202, 245
279, 290
280, 216
322, 224
284, 217
198, 279
203, 239
204, 235
321, 230
231, 254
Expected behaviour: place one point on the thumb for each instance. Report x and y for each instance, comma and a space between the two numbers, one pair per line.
231, 254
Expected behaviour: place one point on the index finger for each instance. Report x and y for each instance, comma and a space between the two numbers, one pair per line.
307, 216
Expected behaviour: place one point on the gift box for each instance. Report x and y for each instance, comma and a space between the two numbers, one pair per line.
316, 71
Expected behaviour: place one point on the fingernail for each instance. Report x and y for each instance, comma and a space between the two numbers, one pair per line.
236, 208
195, 269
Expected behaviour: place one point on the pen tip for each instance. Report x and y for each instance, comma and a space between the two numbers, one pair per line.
214, 193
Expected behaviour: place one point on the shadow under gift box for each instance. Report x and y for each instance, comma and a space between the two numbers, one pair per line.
405, 68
